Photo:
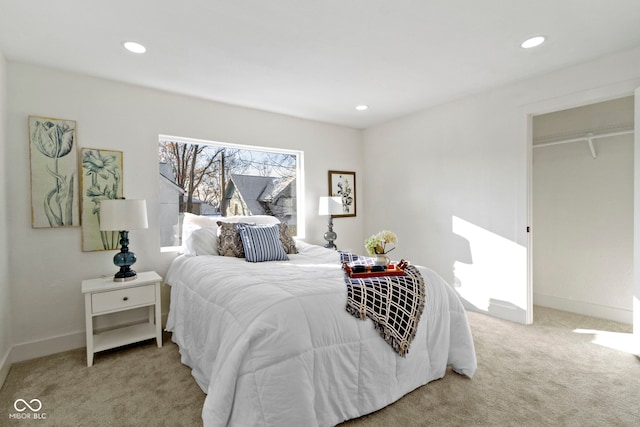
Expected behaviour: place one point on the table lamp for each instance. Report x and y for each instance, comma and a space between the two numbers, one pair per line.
330, 206
123, 215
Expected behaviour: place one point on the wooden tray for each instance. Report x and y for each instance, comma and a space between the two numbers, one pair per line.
392, 270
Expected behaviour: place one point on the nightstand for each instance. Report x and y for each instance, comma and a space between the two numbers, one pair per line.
104, 296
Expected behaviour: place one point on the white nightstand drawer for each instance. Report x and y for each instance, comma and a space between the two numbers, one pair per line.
122, 298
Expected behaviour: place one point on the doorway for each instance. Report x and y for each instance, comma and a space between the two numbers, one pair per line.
582, 213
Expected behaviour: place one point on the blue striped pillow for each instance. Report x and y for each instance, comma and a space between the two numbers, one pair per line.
261, 243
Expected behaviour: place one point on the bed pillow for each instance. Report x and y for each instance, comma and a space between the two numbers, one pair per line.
202, 241
262, 243
191, 223
251, 219
229, 242
288, 244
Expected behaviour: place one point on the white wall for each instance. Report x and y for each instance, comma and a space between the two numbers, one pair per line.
583, 214
5, 300
458, 176
48, 264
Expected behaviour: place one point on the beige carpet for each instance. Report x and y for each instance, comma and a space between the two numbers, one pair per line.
540, 375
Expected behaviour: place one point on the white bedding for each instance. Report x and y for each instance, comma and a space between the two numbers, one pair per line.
272, 344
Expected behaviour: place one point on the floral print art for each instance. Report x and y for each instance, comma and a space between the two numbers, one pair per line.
54, 187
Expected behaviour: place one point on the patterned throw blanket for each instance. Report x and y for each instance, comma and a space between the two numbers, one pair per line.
393, 303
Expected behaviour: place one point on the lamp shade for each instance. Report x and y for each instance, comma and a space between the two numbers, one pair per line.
123, 214
330, 206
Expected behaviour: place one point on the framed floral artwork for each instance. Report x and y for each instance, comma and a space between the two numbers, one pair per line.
54, 169
343, 184
101, 180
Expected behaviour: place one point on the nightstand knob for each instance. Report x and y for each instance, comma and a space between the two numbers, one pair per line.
125, 299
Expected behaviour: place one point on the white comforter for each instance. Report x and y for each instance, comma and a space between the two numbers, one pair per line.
272, 344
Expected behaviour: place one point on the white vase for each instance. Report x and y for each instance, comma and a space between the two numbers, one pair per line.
382, 259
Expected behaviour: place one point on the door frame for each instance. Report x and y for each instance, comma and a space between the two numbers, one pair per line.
527, 112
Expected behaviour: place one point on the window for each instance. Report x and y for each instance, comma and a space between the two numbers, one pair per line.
220, 179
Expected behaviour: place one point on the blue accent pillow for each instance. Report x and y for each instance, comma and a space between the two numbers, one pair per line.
261, 243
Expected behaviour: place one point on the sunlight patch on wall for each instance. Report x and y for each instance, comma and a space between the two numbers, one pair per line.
495, 279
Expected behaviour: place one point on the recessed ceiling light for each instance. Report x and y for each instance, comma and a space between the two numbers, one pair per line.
532, 42
134, 47
362, 107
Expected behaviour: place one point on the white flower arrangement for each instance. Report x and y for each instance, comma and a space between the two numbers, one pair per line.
377, 244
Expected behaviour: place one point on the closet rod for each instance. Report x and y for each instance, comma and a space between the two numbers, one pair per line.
587, 137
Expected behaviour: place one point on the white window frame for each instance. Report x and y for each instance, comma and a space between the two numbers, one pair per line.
300, 210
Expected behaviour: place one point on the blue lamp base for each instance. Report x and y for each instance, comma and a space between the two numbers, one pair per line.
124, 259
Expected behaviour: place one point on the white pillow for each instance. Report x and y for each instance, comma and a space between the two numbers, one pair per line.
202, 241
253, 219
199, 220
191, 223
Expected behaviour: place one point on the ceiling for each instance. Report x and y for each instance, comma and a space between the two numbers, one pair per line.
317, 59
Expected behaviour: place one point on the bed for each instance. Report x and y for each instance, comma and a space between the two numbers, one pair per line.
271, 343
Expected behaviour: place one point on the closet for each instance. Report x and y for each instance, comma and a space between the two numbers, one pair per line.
582, 209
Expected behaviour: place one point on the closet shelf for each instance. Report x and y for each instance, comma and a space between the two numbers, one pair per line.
589, 138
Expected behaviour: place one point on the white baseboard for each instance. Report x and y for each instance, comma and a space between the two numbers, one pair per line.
5, 366
57, 344
584, 308
47, 346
